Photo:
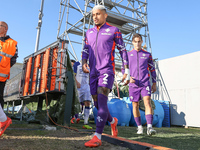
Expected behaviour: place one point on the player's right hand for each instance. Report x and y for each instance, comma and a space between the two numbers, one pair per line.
85, 68
78, 85
124, 79
126, 76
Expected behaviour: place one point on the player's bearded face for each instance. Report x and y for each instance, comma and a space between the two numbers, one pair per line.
99, 17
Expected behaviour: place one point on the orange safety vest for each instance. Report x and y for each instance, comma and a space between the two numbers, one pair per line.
7, 51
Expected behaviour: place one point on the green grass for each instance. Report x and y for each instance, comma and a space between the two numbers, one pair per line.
22, 134
174, 137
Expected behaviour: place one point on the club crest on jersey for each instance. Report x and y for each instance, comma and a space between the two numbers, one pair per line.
0, 48
143, 56
131, 97
107, 30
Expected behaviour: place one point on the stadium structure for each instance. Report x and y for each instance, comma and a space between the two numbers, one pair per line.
75, 18
43, 71
130, 16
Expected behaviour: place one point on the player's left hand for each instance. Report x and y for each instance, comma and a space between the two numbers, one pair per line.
132, 80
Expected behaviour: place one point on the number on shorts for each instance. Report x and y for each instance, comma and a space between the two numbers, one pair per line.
147, 88
105, 78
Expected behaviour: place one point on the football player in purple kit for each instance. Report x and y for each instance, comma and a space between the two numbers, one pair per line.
140, 64
100, 43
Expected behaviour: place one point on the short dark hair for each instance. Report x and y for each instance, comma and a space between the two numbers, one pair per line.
136, 35
72, 60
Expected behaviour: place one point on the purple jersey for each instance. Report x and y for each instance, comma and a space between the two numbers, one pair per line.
100, 49
140, 64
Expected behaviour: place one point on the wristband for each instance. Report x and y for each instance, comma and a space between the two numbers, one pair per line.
127, 71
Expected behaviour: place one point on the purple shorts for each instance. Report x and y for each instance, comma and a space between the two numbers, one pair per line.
136, 93
103, 80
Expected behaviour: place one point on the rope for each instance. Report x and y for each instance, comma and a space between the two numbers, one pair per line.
66, 127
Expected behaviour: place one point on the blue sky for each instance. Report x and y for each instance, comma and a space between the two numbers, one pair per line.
173, 25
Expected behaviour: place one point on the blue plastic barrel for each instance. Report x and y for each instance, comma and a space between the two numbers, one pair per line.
119, 109
157, 117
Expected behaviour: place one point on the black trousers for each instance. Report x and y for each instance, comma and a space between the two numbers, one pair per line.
2, 85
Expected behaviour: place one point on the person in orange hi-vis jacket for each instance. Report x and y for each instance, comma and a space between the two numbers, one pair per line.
8, 57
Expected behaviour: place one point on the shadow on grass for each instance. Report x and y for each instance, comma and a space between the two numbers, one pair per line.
20, 135
61, 139
174, 137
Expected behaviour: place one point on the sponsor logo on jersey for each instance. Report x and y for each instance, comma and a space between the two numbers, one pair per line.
131, 55
143, 57
106, 33
91, 31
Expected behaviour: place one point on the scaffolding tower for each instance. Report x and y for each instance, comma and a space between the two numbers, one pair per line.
130, 16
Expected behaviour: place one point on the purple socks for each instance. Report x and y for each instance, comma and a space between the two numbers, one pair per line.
149, 118
109, 116
102, 114
138, 120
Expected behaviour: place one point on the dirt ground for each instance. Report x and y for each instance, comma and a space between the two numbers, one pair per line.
34, 137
